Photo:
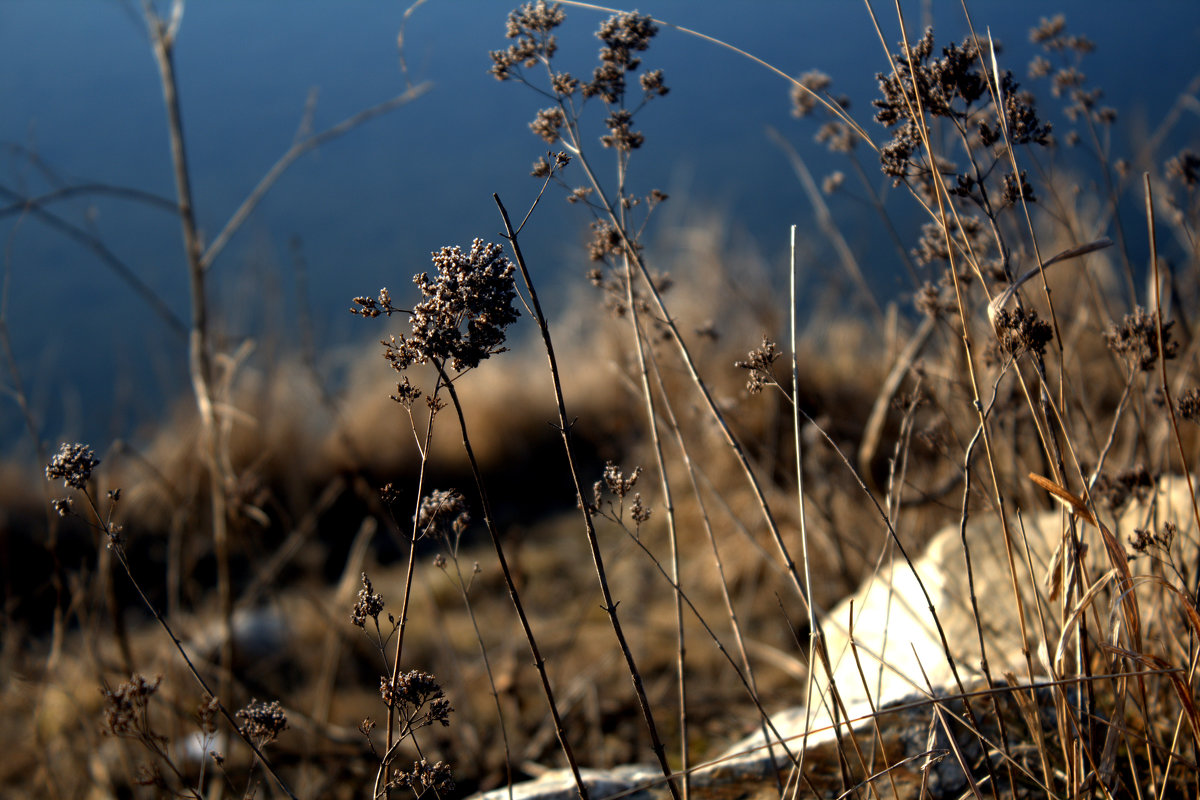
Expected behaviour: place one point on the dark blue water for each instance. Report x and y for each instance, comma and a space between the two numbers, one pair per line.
80, 103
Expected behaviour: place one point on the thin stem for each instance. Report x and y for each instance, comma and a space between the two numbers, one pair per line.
640, 345
385, 768
610, 606
116, 547
162, 36
538, 661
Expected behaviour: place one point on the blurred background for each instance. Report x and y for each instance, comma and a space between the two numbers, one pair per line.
81, 106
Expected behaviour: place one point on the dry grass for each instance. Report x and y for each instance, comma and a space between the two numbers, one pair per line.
295, 472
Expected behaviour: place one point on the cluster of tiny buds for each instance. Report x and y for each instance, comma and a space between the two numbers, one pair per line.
1145, 540
412, 691
1136, 339
125, 706
262, 722
425, 777
1021, 331
369, 604
759, 362
1189, 405
620, 485
551, 163
73, 464
442, 511
617, 483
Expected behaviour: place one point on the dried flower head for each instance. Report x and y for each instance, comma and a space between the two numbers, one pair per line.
1067, 80
618, 484
424, 777
531, 26
759, 364
125, 707
809, 84
1144, 540
1136, 339
206, 715
950, 87
1184, 167
605, 241
930, 301
564, 83
837, 136
419, 698
971, 237
623, 35
370, 307
262, 722
652, 83
73, 464
441, 512
461, 320
638, 512
1017, 188
548, 123
406, 394
1021, 331
1115, 491
1189, 405
620, 135
369, 604
1051, 34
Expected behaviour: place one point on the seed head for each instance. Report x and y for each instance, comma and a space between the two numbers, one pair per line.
262, 722
369, 604
466, 307
73, 464
1136, 339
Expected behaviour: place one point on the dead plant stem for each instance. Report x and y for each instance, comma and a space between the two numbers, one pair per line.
162, 37
538, 661
610, 607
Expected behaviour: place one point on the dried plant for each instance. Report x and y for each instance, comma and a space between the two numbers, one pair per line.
1014, 371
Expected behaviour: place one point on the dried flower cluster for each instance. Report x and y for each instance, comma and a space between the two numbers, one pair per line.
1184, 167
1136, 339
369, 604
442, 512
125, 707
206, 715
759, 363
1066, 79
834, 133
262, 722
620, 485
418, 697
810, 83
1143, 540
1115, 491
462, 318
424, 777
1021, 331
1189, 405
623, 35
615, 480
531, 26
970, 238
73, 465
929, 300
951, 87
